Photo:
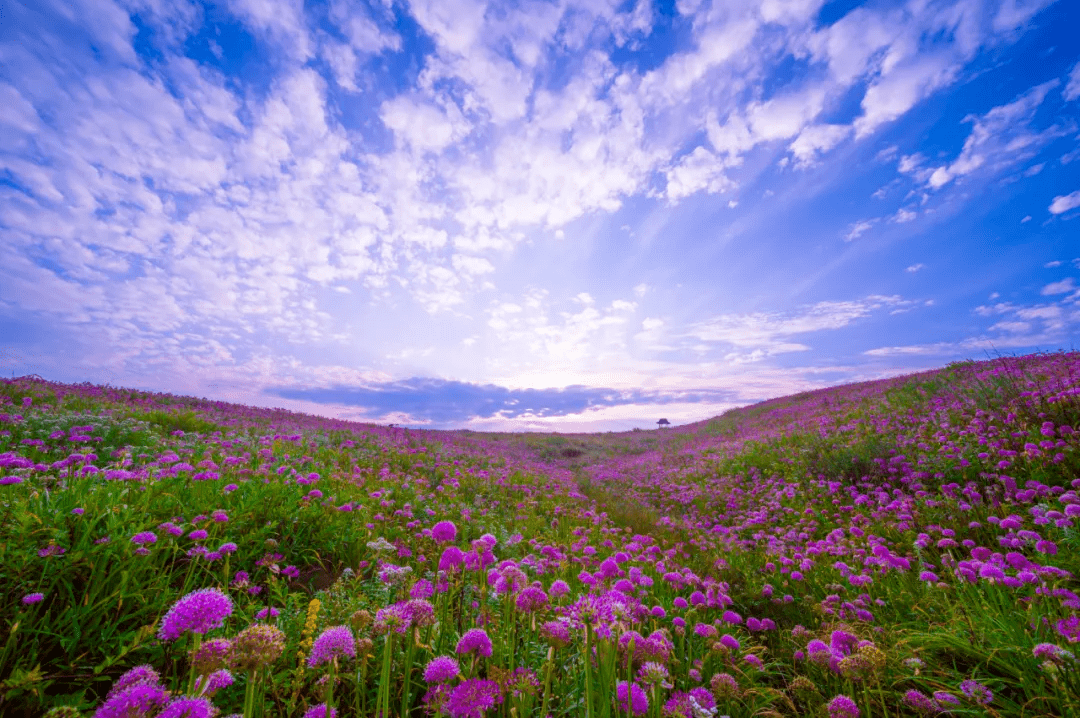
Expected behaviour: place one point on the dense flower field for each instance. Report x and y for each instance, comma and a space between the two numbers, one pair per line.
906, 547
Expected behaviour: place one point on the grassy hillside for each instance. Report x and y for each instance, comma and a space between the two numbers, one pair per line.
895, 548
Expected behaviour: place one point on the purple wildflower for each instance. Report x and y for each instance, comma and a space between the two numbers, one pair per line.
135, 676
418, 612
214, 682
211, 656
440, 669
476, 641
652, 673
444, 532
703, 699
472, 698
199, 612
422, 589
32, 598
557, 633
842, 707
451, 558
137, 699
559, 588
144, 537
977, 692
920, 702
724, 685
334, 642
189, 708
1050, 652
634, 695
531, 599
320, 711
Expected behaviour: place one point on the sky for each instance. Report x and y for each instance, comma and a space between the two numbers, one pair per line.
564, 215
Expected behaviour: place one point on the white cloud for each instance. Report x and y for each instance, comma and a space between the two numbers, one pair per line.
700, 170
1053, 264
999, 138
769, 330
915, 267
281, 21
1064, 203
423, 125
903, 216
1072, 87
817, 139
1013, 326
472, 265
899, 90
859, 229
1012, 14
1063, 287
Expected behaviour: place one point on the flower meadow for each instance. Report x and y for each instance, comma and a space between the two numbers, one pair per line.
903, 547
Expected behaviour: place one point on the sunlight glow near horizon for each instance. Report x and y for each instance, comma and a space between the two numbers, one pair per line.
571, 215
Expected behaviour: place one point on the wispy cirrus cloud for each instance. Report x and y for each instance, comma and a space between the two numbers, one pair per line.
770, 331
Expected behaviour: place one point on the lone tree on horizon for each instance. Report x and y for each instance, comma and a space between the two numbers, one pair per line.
662, 423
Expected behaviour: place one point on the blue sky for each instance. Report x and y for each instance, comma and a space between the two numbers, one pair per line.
579, 215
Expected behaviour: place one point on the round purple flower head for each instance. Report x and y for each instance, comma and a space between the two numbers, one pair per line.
144, 538
440, 669
320, 711
33, 598
451, 558
135, 676
635, 695
1054, 654
135, 700
189, 708
531, 599
556, 633
422, 589
211, 656
334, 642
199, 612
476, 641
977, 692
214, 682
472, 698
920, 702
444, 532
724, 685
559, 588
703, 698
843, 707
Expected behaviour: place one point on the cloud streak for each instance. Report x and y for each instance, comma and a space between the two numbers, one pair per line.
448, 402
